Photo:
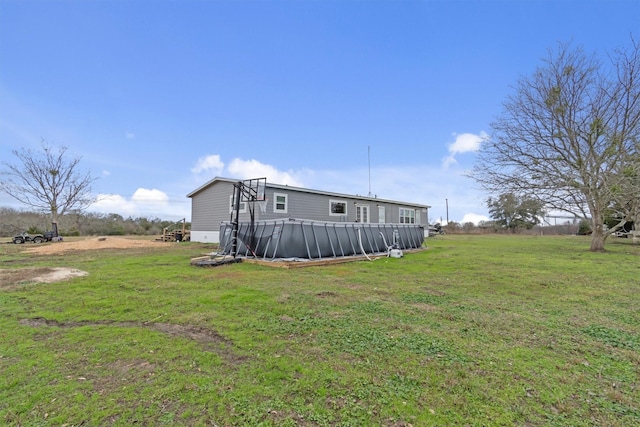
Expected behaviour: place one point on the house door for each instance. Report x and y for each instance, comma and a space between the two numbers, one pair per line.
381, 215
362, 213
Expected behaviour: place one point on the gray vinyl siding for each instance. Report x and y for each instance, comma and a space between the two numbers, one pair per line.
211, 206
303, 205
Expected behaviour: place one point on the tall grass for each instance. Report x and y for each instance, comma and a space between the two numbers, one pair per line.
475, 330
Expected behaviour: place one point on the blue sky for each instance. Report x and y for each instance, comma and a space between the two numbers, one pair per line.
158, 97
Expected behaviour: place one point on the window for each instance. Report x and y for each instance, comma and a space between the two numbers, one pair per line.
243, 205
407, 216
280, 203
337, 207
362, 213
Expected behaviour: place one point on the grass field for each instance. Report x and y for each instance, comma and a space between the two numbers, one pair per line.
475, 330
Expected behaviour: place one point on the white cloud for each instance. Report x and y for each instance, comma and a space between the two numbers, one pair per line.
449, 160
474, 218
129, 135
149, 203
106, 173
143, 195
211, 164
464, 143
112, 203
247, 169
467, 142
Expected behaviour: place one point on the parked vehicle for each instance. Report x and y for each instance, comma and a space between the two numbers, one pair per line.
25, 237
47, 236
435, 229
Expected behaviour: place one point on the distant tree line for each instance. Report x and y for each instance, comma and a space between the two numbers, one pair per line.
496, 227
13, 221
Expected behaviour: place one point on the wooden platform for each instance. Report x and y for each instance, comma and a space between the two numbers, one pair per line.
209, 261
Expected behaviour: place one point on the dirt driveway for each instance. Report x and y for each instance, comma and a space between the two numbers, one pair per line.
94, 243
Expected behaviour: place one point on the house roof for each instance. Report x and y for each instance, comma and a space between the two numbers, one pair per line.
306, 190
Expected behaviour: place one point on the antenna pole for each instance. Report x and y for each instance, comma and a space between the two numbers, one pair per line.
369, 159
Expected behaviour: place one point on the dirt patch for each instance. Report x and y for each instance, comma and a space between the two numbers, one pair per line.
93, 244
326, 294
121, 373
59, 274
209, 339
12, 278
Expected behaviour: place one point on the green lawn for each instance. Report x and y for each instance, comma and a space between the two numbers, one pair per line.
475, 330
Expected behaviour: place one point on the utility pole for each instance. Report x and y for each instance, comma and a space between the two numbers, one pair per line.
446, 201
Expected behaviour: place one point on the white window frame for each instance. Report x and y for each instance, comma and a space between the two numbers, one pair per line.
360, 208
275, 203
407, 216
343, 202
243, 205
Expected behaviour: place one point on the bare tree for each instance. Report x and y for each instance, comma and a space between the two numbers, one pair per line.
569, 136
49, 182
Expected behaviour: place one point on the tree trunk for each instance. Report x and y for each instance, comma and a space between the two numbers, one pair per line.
597, 242
598, 237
